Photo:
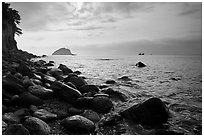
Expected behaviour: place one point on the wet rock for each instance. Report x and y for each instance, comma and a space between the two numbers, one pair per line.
40, 91
37, 82
71, 85
125, 78
48, 79
15, 99
91, 115
10, 118
65, 92
110, 82
49, 64
33, 108
78, 124
27, 82
44, 115
150, 112
16, 129
12, 85
77, 72
4, 126
55, 72
43, 70
101, 95
27, 99
77, 81
110, 120
115, 94
84, 102
102, 104
175, 79
75, 111
89, 88
65, 69
21, 112
25, 70
36, 126
103, 86
140, 65
18, 75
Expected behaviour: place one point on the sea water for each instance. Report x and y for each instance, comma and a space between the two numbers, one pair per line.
176, 80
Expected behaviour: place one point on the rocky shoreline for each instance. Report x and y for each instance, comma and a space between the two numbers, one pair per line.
41, 99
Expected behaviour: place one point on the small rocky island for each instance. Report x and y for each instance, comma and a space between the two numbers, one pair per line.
62, 51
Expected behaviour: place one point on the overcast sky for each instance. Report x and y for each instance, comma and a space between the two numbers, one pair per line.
111, 28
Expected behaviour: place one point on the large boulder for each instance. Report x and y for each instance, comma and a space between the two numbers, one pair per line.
12, 85
44, 115
89, 88
84, 102
115, 94
48, 79
37, 126
27, 99
16, 129
78, 124
77, 81
40, 91
10, 118
150, 112
25, 70
65, 92
55, 72
102, 104
140, 65
65, 69
91, 115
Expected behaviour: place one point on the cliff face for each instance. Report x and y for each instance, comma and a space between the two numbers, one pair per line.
8, 40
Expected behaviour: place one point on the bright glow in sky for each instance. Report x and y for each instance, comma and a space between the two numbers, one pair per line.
111, 28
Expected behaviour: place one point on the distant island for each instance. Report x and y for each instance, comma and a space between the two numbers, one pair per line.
63, 51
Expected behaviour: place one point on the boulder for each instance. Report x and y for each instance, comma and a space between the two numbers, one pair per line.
65, 92
115, 94
4, 126
125, 78
77, 81
48, 79
102, 104
84, 102
140, 65
40, 91
37, 81
49, 64
27, 82
10, 118
44, 115
75, 111
71, 85
18, 75
24, 70
110, 82
55, 72
22, 112
150, 112
27, 99
36, 126
78, 124
89, 88
77, 72
65, 69
91, 115
12, 85
16, 129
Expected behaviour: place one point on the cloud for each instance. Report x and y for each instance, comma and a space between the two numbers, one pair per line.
194, 8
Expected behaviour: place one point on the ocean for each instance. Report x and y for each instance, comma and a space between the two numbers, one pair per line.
176, 80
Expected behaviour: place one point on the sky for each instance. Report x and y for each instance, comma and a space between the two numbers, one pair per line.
111, 28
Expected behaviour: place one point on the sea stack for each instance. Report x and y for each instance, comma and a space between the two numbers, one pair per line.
62, 51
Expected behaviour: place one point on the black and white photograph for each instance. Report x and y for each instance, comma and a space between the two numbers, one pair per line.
101, 68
